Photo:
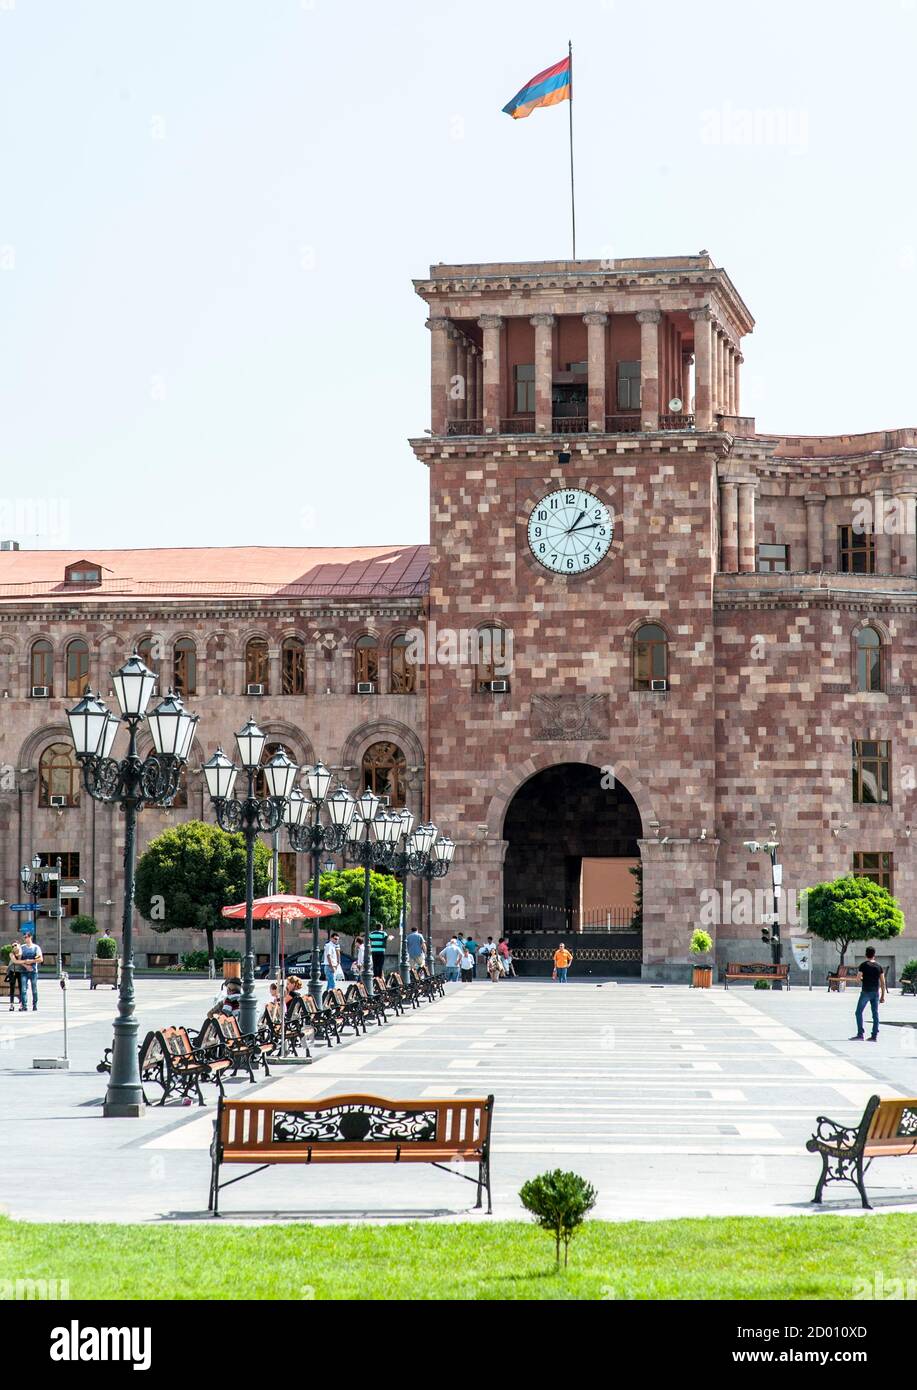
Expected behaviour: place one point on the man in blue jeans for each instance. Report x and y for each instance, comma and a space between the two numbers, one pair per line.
872, 992
29, 961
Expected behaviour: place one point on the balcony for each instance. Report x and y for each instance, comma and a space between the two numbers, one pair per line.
464, 427
676, 422
570, 424
622, 424
518, 424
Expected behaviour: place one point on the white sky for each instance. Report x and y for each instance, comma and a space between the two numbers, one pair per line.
211, 211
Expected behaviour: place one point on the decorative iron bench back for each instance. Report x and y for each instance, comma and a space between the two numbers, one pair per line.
756, 968
285, 1126
894, 1119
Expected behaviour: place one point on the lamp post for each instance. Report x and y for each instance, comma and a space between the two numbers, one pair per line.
32, 881
249, 816
131, 782
426, 855
401, 869
436, 864
309, 835
771, 936
371, 842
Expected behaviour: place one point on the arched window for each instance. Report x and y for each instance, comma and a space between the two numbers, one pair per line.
404, 666
148, 651
270, 749
58, 776
366, 661
77, 668
257, 667
491, 658
651, 658
292, 667
184, 667
384, 772
41, 664
869, 659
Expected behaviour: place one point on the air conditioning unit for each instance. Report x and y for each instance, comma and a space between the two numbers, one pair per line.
41, 692
57, 800
659, 685
254, 690
366, 687
498, 687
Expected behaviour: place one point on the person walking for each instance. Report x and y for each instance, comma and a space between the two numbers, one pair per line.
494, 968
356, 968
378, 940
30, 959
331, 959
451, 956
12, 974
466, 965
872, 992
417, 950
562, 961
485, 952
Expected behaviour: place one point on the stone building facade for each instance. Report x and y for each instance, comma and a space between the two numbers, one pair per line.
644, 633
739, 655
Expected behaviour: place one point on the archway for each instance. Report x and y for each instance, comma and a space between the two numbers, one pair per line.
572, 833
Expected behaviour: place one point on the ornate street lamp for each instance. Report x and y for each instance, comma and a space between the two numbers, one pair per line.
249, 816
426, 857
371, 844
131, 782
32, 881
309, 835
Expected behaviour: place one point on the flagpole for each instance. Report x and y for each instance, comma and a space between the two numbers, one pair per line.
572, 186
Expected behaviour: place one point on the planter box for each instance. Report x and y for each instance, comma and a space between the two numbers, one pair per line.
105, 972
232, 970
701, 977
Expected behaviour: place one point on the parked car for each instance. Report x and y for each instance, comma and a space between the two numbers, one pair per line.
300, 963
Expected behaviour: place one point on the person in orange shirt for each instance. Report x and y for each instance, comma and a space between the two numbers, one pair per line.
562, 959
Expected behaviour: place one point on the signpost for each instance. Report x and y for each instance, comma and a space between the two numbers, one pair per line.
802, 954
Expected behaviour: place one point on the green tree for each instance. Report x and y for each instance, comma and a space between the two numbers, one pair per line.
83, 924
345, 887
559, 1202
187, 874
851, 909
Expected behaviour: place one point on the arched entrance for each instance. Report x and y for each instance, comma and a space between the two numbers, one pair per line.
572, 833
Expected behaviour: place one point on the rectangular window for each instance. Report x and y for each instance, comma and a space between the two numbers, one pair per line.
69, 872
628, 385
287, 867
773, 559
856, 551
871, 764
578, 368
524, 388
878, 866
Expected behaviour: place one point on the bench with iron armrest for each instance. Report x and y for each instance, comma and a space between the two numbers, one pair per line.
844, 974
168, 1059
909, 984
391, 993
349, 1012
423, 985
437, 981
756, 970
323, 1021
373, 1006
888, 1129
407, 993
221, 1032
352, 1129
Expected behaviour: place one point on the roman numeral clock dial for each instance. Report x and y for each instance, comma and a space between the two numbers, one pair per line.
570, 531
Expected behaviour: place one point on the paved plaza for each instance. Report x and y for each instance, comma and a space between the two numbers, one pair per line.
672, 1102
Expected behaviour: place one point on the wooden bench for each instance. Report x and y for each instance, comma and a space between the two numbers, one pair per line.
348, 1012
305, 1014
756, 970
168, 1059
391, 991
410, 991
351, 1129
888, 1129
843, 975
371, 1006
909, 985
221, 1036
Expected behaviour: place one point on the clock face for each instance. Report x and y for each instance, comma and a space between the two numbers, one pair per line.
570, 531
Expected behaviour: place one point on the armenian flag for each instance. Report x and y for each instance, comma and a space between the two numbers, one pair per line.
546, 89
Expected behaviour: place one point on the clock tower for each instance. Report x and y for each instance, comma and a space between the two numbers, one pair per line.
581, 414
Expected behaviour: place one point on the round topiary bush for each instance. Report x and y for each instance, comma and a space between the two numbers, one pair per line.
106, 948
83, 924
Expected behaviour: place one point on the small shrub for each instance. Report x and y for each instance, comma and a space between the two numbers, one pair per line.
5, 953
199, 960
909, 970
701, 943
762, 984
559, 1203
83, 924
106, 948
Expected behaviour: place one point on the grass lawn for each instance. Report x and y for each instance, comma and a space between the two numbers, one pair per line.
735, 1257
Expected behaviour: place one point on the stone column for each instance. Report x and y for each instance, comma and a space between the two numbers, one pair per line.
720, 340
815, 532
471, 385
687, 362
906, 547
736, 392
454, 406
649, 320
439, 374
703, 368
544, 371
747, 546
595, 353
730, 379
882, 539
493, 373
729, 526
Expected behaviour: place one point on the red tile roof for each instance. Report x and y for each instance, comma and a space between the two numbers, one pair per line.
372, 571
